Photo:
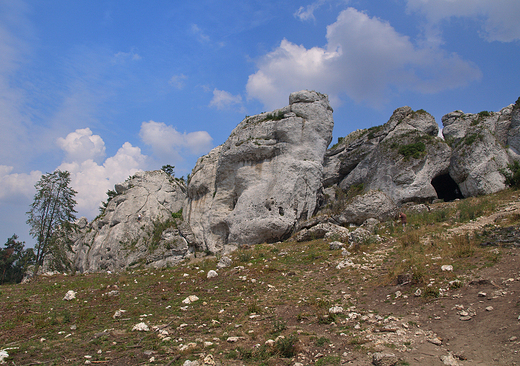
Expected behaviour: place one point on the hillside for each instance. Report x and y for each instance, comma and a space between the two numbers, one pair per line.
288, 303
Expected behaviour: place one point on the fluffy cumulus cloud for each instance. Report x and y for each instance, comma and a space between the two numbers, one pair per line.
82, 145
168, 144
365, 58
498, 18
92, 180
16, 187
224, 100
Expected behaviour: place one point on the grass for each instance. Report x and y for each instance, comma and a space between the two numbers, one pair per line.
270, 291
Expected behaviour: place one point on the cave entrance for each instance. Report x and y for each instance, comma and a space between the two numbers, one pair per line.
446, 188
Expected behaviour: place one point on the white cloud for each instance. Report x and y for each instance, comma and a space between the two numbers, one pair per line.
92, 180
498, 18
201, 36
168, 143
365, 58
81, 145
122, 57
15, 187
223, 99
307, 13
177, 81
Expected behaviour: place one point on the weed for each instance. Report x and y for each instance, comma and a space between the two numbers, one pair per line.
279, 326
322, 341
286, 347
328, 360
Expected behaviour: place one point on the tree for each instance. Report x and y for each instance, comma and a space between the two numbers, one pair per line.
168, 169
51, 218
14, 260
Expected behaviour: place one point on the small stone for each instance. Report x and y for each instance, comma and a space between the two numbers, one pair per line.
212, 274
449, 360
336, 310
436, 341
191, 363
141, 327
190, 299
513, 338
489, 308
482, 294
447, 268
70, 295
417, 292
465, 318
233, 339
384, 359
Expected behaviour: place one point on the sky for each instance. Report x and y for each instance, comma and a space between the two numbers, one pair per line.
103, 89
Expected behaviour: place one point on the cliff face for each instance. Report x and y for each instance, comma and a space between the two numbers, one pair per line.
266, 177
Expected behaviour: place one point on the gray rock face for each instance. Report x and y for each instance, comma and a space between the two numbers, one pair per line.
375, 158
479, 149
137, 226
373, 204
266, 177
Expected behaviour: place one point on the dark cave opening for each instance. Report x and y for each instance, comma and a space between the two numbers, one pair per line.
446, 188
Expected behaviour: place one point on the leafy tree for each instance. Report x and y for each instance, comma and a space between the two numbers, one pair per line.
168, 169
14, 260
51, 218
111, 194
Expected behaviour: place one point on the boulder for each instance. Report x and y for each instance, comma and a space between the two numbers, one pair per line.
265, 178
372, 204
141, 224
323, 230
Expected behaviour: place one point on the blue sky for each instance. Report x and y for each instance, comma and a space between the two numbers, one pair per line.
105, 88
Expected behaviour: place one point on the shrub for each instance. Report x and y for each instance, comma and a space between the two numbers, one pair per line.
415, 151
512, 174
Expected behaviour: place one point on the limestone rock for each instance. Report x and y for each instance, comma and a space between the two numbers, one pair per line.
478, 142
322, 230
384, 359
141, 224
372, 204
265, 178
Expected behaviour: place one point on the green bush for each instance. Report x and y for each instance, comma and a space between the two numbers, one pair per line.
512, 174
415, 151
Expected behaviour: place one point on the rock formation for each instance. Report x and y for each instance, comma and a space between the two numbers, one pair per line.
399, 158
482, 144
274, 173
141, 224
265, 178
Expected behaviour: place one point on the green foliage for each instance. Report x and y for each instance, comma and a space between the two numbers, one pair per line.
322, 341
51, 217
512, 174
169, 169
472, 137
273, 116
286, 347
177, 215
111, 194
14, 260
279, 326
373, 130
416, 150
340, 140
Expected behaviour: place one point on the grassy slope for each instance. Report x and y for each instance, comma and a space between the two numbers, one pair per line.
270, 290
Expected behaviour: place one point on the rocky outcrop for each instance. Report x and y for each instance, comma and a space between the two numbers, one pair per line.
141, 224
399, 158
481, 148
265, 178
